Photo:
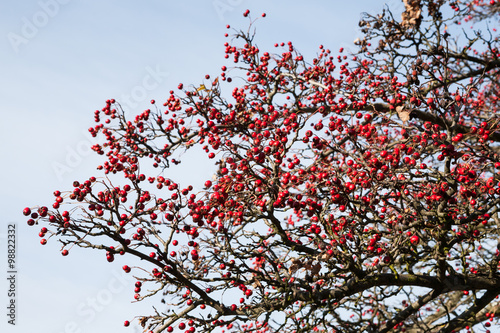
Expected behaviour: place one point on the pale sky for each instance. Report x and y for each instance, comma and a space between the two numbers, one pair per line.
59, 61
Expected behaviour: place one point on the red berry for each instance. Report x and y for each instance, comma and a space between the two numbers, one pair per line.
26, 211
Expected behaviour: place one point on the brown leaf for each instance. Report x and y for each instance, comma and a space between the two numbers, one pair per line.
315, 269
142, 321
293, 268
257, 284
403, 114
323, 256
296, 265
412, 15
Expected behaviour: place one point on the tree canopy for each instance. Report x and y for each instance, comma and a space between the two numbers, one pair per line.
353, 192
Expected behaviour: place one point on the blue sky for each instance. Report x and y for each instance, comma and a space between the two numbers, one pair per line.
59, 61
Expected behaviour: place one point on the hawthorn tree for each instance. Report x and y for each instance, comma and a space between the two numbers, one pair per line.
352, 193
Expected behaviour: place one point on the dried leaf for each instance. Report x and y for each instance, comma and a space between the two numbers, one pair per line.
315, 269
293, 268
323, 256
412, 15
296, 265
403, 114
381, 44
142, 321
308, 264
258, 284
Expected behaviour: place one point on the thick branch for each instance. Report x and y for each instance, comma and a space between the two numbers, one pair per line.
413, 308
469, 317
356, 285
